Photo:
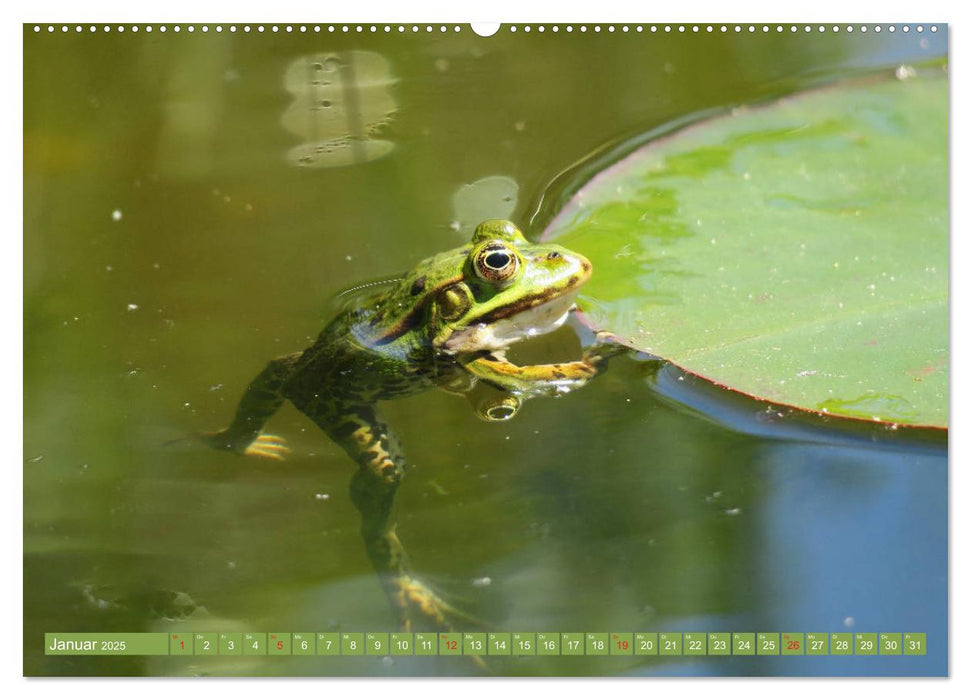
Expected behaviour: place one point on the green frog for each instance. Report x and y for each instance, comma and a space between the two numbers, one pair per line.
447, 324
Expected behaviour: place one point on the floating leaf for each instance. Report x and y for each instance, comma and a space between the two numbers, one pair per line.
796, 252
492, 197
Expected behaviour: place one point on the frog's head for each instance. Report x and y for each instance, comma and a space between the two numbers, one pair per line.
510, 289
484, 296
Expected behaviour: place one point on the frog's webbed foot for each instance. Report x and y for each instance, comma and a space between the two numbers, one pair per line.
263, 445
419, 607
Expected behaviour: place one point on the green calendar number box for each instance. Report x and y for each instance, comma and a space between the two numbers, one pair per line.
278, 644
597, 643
426, 644
524, 643
450, 644
500, 644
817, 644
204, 644
621, 644
866, 643
793, 644
743, 643
695, 644
254, 643
767, 643
645, 643
328, 644
890, 644
376, 644
303, 644
720, 643
669, 643
352, 644
180, 644
841, 644
915, 644
475, 643
230, 644
571, 644
548, 643
402, 644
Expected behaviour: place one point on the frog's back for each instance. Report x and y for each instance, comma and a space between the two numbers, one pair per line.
342, 368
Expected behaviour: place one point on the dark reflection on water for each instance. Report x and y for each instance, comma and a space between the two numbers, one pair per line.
639, 503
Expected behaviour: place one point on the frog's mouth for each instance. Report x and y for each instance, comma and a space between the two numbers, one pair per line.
505, 327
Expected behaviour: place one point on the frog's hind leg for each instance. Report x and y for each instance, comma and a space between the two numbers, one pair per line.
381, 466
262, 398
415, 604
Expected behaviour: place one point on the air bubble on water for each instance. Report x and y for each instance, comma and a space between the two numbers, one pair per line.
482, 582
733, 511
322, 496
133, 307
116, 215
215, 387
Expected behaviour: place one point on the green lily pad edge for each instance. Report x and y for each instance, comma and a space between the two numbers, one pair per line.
795, 252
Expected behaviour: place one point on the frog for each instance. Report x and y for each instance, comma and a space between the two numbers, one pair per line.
447, 324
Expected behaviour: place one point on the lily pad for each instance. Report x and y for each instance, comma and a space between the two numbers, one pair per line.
796, 252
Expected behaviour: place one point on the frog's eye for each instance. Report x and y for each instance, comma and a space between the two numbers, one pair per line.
453, 301
495, 262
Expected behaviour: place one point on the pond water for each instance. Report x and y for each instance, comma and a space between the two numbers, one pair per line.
192, 204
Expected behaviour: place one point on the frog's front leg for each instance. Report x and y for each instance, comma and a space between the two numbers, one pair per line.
262, 398
531, 379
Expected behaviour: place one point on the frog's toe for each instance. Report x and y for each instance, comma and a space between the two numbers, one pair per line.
268, 447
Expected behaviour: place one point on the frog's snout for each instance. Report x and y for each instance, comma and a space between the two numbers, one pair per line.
582, 267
